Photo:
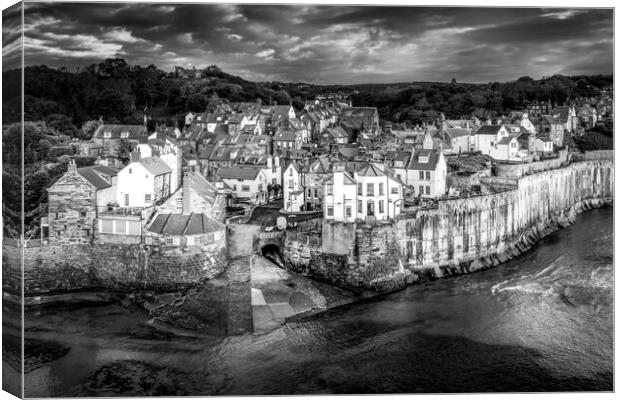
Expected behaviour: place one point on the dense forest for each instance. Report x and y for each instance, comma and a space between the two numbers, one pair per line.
119, 92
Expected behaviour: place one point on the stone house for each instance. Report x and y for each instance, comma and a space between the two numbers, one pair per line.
286, 139
110, 136
553, 128
72, 208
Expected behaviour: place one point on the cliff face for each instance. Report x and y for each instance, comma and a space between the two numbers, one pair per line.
460, 236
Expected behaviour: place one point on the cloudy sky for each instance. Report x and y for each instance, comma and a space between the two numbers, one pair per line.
327, 44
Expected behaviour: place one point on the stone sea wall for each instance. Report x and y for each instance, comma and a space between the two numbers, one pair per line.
58, 268
457, 237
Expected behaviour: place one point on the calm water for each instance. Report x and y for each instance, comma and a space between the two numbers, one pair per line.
541, 322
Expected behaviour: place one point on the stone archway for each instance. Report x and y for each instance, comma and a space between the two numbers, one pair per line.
271, 251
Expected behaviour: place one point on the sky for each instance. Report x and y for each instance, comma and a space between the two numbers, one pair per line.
325, 44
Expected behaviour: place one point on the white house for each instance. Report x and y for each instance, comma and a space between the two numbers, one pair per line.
168, 151
527, 124
507, 148
487, 136
292, 188
497, 142
425, 173
248, 183
543, 145
377, 195
340, 197
143, 182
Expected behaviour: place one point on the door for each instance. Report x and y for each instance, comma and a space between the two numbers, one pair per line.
371, 208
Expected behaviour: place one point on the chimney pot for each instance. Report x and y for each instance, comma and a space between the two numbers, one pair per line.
72, 168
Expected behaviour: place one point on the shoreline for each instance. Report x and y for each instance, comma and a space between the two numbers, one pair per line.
525, 243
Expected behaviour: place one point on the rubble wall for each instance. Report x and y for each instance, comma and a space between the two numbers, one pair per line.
121, 267
459, 236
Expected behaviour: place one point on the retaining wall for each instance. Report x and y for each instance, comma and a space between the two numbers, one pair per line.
459, 236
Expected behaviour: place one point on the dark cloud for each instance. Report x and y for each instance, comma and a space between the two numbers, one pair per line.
326, 44
11, 37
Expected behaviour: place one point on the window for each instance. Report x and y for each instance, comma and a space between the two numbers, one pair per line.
309, 192
107, 226
316, 193
291, 183
147, 198
428, 190
421, 189
370, 189
381, 207
130, 170
421, 175
348, 211
120, 227
380, 189
360, 205
210, 238
428, 175
274, 181
330, 189
245, 188
359, 189
235, 187
169, 241
260, 187
85, 232
127, 200
82, 214
124, 135
330, 211
398, 176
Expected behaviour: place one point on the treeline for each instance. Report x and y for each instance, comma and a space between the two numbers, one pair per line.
420, 102
119, 92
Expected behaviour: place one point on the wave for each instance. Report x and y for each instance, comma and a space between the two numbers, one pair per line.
571, 283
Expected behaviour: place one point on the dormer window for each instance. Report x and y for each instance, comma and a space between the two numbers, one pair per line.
423, 159
107, 134
124, 135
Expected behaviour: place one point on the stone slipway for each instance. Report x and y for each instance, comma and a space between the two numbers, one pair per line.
278, 294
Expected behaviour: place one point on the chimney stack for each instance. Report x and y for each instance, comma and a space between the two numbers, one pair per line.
186, 193
72, 167
134, 156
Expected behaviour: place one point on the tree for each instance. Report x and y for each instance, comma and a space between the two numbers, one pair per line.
124, 151
88, 129
62, 124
